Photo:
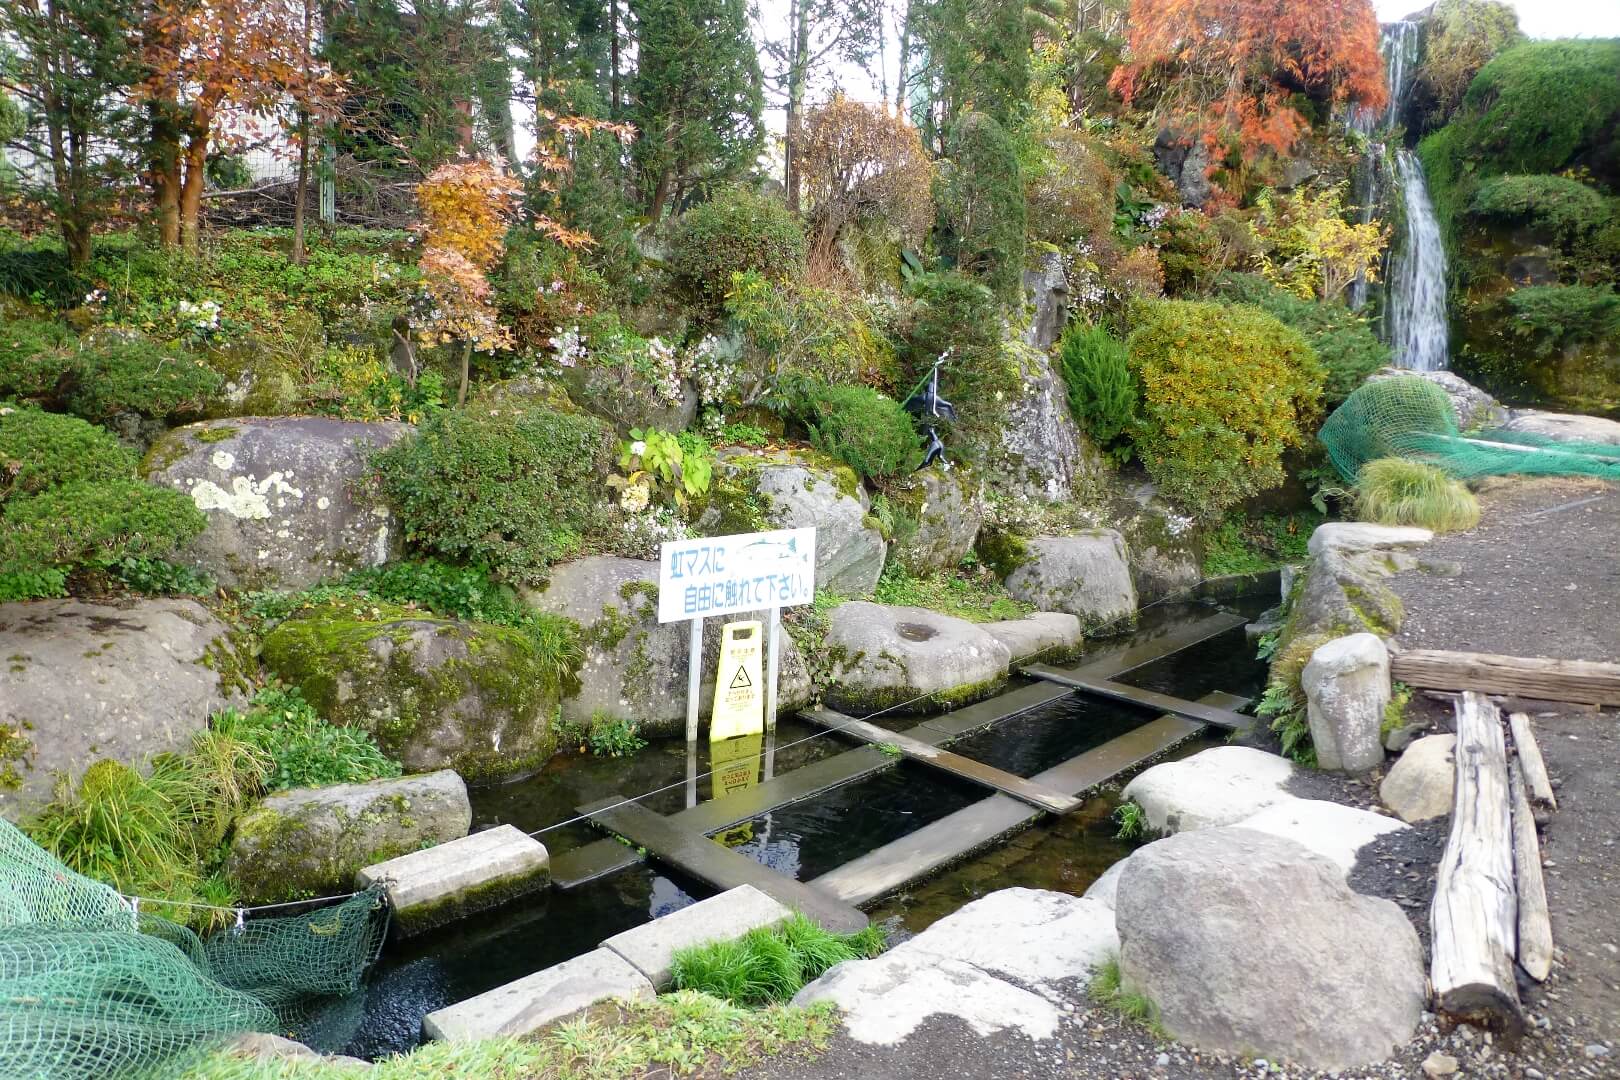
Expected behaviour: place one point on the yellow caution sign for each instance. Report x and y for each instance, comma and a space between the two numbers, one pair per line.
739, 699
735, 763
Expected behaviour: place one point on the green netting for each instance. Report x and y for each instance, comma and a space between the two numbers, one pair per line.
1411, 417
91, 989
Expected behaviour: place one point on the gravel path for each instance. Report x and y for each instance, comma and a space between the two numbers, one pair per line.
1540, 576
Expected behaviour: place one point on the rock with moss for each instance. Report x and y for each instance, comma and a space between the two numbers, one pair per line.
635, 667
434, 693
524, 392
82, 681
793, 491
1165, 552
1087, 575
286, 498
259, 379
1040, 635
936, 514
312, 841
1038, 454
909, 659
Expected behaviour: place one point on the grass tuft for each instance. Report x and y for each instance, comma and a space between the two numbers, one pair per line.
1132, 821
770, 964
1394, 491
1108, 989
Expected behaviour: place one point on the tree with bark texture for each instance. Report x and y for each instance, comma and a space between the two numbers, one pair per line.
860, 160
210, 60
1218, 68
696, 98
69, 69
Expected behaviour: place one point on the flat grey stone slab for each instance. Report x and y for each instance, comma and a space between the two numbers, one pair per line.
651, 947
439, 884
532, 1002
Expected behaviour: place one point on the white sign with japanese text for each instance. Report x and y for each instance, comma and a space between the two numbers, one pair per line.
723, 575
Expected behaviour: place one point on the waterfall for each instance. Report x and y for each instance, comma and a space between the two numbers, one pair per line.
1417, 287
1399, 43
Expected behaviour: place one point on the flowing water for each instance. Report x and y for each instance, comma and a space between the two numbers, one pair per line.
803, 840
1417, 287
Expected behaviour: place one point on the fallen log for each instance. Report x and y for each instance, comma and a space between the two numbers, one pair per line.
1535, 926
1474, 915
1535, 766
1586, 682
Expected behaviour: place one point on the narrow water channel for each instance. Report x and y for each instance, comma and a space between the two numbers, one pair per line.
803, 840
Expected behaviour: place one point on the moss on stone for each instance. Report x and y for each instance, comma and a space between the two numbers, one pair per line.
733, 504
1001, 550
215, 433
484, 896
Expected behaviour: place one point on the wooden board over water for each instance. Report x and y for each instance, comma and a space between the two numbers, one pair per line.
591, 861
958, 836
697, 856
1042, 798
1148, 699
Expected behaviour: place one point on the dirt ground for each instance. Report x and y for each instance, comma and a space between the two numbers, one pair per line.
1539, 576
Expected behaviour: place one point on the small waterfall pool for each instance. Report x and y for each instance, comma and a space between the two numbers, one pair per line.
1417, 286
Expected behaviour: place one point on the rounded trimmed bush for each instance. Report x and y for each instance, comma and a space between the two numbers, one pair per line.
40, 450
736, 231
870, 433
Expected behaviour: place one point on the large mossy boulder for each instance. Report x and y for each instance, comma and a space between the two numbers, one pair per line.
84, 681
435, 693
909, 659
1087, 575
634, 667
1252, 944
312, 841
286, 498
937, 514
751, 492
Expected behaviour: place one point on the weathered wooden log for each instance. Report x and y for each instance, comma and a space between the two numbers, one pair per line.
1474, 915
1535, 926
1539, 785
1587, 682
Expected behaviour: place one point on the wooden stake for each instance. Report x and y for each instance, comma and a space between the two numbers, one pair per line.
1474, 916
1535, 926
1535, 767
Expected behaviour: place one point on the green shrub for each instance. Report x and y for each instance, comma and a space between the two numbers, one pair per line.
34, 357
512, 490
1343, 340
1226, 390
40, 450
1395, 491
1567, 208
602, 736
981, 201
769, 964
137, 376
736, 231
1102, 391
301, 749
460, 592
1550, 317
96, 523
159, 577
786, 330
952, 314
868, 432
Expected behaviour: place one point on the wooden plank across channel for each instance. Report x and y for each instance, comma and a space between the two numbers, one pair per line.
1148, 699
697, 856
589, 862
1042, 798
958, 835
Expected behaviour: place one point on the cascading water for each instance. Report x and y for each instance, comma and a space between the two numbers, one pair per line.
1417, 287
1399, 42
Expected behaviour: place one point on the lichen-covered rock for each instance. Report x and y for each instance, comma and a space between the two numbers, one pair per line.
285, 497
885, 657
751, 492
635, 666
1474, 407
1040, 635
1165, 553
82, 681
1048, 290
1347, 687
1251, 944
1087, 575
435, 693
1041, 455
937, 517
312, 841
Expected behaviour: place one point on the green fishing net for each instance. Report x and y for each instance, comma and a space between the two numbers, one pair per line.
1411, 417
90, 988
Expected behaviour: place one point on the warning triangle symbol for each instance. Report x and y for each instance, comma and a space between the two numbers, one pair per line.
740, 680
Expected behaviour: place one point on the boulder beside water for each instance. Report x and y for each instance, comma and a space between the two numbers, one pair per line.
1087, 575
887, 657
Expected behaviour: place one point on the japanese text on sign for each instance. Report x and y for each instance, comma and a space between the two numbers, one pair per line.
723, 575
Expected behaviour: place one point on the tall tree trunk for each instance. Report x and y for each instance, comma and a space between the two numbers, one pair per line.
466, 372
301, 194
75, 230
163, 169
191, 189
905, 62
798, 74
615, 79
660, 195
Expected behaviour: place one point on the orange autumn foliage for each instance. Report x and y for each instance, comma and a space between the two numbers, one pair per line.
1231, 67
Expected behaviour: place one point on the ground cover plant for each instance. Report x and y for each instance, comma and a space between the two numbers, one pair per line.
770, 964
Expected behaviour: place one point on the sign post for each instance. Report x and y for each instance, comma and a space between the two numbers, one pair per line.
727, 575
